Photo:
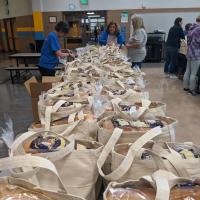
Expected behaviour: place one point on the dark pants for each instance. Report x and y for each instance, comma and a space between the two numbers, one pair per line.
139, 64
171, 60
181, 64
47, 72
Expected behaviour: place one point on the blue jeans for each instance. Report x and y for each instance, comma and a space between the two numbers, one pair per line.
139, 64
47, 72
171, 60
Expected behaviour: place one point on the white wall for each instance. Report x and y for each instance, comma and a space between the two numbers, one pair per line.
63, 5
16, 7
164, 21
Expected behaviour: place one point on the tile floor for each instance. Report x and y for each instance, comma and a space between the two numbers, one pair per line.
15, 101
185, 108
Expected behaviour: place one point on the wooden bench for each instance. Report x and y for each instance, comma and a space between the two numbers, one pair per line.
18, 71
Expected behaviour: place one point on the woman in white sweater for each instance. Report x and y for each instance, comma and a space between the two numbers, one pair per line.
137, 42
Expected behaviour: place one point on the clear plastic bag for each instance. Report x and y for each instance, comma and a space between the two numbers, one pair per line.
42, 103
129, 194
137, 68
141, 83
99, 102
7, 133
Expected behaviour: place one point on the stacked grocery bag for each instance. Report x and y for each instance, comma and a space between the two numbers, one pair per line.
99, 133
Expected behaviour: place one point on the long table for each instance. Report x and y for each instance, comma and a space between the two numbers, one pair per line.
26, 57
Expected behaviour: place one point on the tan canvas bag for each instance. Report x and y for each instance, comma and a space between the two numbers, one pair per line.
146, 109
57, 193
127, 163
80, 94
189, 168
174, 181
77, 168
130, 96
59, 110
130, 166
162, 158
131, 136
81, 128
158, 182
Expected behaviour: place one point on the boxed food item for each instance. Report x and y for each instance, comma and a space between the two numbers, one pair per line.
35, 88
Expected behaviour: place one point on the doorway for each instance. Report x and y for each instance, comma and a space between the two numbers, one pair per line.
10, 33
84, 27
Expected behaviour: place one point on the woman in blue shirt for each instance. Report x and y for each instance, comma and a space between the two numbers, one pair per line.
111, 35
51, 50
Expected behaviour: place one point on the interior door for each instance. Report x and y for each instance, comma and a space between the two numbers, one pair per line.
10, 33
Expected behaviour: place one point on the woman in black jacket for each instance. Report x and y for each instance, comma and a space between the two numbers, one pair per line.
172, 47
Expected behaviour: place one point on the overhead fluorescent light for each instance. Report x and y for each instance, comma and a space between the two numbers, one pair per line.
90, 13
92, 16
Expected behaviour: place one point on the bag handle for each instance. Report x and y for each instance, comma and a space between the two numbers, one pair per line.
56, 87
120, 84
57, 105
70, 128
165, 181
146, 103
174, 159
128, 161
29, 161
53, 156
71, 117
140, 112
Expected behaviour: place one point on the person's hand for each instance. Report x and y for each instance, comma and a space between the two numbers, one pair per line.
64, 55
128, 45
72, 54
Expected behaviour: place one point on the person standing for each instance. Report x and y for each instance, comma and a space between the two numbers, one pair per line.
182, 54
172, 47
51, 50
193, 56
111, 35
137, 42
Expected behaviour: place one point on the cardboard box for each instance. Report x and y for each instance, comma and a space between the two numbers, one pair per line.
51, 79
35, 89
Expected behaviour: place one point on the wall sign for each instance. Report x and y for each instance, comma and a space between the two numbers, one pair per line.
52, 19
124, 17
84, 2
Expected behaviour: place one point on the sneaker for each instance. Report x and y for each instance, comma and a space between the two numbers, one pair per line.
173, 76
166, 75
193, 93
186, 90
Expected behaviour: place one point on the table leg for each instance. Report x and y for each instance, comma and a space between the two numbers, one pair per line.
26, 64
11, 77
17, 74
17, 62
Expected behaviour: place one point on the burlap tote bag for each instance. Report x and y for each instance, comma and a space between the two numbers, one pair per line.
76, 166
132, 133
15, 188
